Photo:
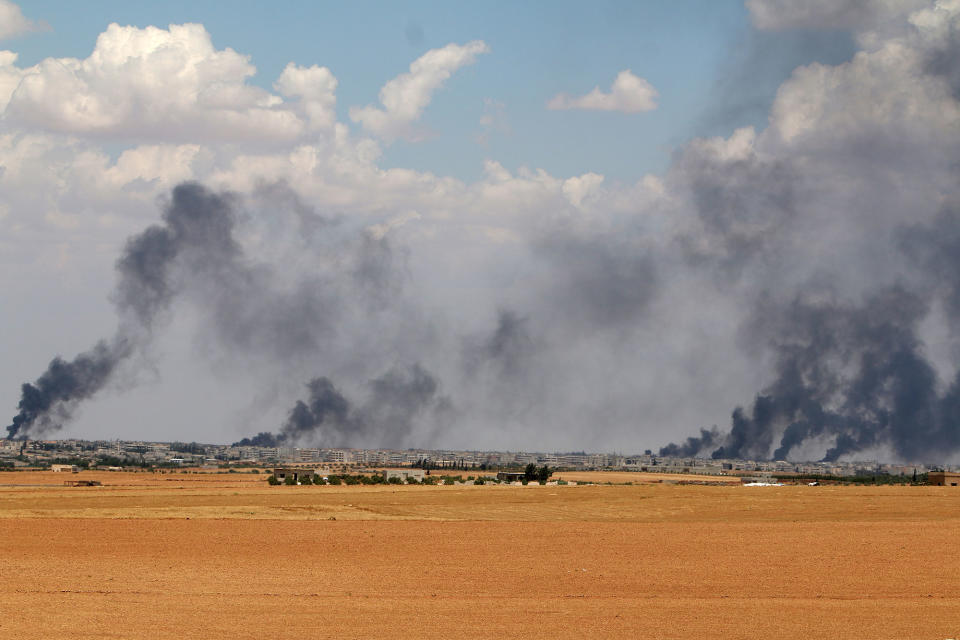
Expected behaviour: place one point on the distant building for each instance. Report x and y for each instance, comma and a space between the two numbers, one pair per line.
298, 473
943, 478
338, 456
511, 476
403, 474
308, 455
63, 468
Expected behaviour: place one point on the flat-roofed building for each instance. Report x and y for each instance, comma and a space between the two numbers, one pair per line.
403, 474
944, 478
297, 473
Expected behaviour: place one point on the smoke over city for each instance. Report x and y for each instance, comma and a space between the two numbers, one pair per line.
789, 290
394, 400
195, 256
850, 375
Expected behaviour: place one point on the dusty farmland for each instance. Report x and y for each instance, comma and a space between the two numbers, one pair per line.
226, 556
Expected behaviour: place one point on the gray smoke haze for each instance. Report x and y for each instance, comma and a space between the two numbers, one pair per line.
744, 208
833, 237
197, 229
195, 255
506, 350
394, 401
855, 374
798, 285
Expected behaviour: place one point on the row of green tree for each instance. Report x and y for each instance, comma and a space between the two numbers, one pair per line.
876, 478
349, 479
532, 473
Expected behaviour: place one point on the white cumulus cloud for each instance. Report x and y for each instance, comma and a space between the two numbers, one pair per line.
405, 97
629, 94
13, 23
166, 85
317, 88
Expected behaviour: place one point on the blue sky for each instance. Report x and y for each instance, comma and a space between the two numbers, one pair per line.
689, 50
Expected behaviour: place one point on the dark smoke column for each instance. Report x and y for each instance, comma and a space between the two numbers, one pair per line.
50, 401
197, 230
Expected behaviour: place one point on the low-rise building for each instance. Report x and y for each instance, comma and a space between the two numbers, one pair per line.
403, 474
943, 478
297, 473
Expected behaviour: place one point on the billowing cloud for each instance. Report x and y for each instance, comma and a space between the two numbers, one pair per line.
317, 89
165, 85
628, 94
404, 98
14, 23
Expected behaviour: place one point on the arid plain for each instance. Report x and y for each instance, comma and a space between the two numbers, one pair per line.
226, 556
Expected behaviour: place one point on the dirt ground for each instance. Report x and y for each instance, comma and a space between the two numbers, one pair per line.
226, 556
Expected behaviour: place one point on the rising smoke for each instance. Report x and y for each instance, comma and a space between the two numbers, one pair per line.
809, 272
843, 284
394, 401
51, 400
195, 255
196, 231
852, 374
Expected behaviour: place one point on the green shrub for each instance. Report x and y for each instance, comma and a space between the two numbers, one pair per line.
289, 481
412, 480
272, 480
333, 479
449, 480
254, 470
479, 481
305, 480
394, 480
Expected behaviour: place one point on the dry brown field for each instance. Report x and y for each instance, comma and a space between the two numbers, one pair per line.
226, 556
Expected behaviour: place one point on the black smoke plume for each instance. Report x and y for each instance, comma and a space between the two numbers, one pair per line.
693, 446
327, 418
849, 377
197, 224
52, 399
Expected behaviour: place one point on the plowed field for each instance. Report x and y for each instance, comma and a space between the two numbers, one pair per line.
225, 556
